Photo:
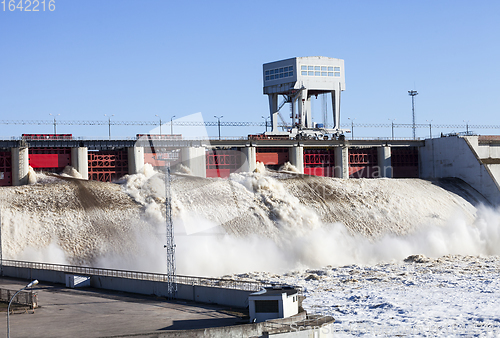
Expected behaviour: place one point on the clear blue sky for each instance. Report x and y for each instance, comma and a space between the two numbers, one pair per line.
137, 59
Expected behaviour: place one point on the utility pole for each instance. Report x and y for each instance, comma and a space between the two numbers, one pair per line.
392, 125
265, 119
218, 118
352, 127
430, 128
109, 125
55, 123
413, 93
160, 122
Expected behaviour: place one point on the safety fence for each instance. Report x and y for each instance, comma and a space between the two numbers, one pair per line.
24, 297
147, 276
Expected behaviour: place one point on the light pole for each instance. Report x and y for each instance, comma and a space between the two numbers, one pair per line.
35, 282
352, 127
171, 126
412, 93
109, 125
160, 122
392, 125
265, 119
467, 127
218, 118
55, 123
430, 127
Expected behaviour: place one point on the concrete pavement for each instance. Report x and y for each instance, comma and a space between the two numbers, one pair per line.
88, 312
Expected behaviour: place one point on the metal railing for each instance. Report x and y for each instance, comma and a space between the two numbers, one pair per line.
149, 276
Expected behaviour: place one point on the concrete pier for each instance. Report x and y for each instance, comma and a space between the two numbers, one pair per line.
249, 159
194, 159
341, 154
20, 166
296, 154
79, 161
135, 160
384, 161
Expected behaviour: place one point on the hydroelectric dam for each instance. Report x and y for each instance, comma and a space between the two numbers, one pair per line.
473, 159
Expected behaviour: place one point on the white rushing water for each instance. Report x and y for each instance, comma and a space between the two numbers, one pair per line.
344, 241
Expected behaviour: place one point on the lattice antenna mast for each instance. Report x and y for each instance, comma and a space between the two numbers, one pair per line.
171, 273
413, 93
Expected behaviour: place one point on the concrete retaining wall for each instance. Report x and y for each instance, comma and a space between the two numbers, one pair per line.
460, 157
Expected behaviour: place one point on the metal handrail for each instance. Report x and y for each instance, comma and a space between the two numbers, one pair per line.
150, 276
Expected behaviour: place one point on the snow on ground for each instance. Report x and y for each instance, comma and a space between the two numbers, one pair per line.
451, 296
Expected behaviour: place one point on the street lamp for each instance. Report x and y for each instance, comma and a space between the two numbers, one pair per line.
265, 119
392, 124
35, 282
160, 122
218, 118
55, 123
413, 93
430, 127
109, 125
352, 127
171, 126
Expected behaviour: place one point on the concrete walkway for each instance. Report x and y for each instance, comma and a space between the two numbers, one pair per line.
65, 312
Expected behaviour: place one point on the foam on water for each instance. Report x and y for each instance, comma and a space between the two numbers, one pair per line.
257, 221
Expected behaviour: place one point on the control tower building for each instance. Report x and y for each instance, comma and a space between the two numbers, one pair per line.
299, 78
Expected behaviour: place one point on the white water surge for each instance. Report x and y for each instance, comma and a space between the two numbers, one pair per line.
251, 222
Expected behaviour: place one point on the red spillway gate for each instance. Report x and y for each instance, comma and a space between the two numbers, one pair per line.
160, 157
319, 162
221, 163
49, 159
5, 168
404, 162
107, 165
272, 157
363, 163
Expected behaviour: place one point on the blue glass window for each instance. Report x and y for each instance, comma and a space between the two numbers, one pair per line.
330, 73
310, 73
337, 74
323, 73
304, 72
317, 73
271, 71
317, 68
286, 75
303, 67
267, 78
272, 77
310, 68
323, 68
285, 69
290, 67
330, 69
281, 70
267, 72
337, 69
281, 74
290, 73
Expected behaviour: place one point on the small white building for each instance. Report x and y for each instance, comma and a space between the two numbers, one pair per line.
299, 78
272, 303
